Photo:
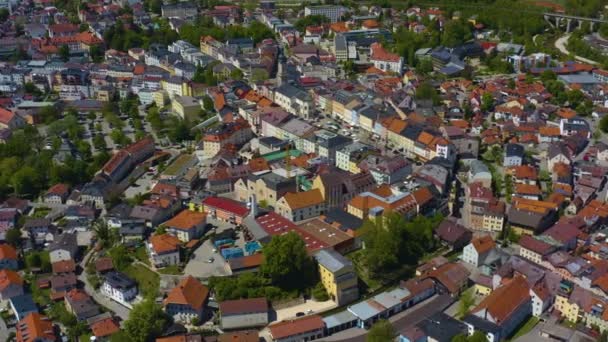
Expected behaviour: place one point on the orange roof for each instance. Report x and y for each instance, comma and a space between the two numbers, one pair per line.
549, 131
8, 278
164, 243
566, 113
258, 164
379, 53
374, 70
8, 252
370, 23
105, 327
299, 200
524, 172
425, 138
396, 125
505, 300
338, 27
187, 219
190, 292
533, 205
33, 327
483, 244
295, 327
527, 189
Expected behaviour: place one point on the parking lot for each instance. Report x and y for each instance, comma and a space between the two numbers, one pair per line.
205, 262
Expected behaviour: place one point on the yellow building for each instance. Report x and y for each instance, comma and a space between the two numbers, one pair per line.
338, 277
160, 98
186, 107
568, 310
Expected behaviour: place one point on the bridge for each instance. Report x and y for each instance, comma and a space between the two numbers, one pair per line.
558, 19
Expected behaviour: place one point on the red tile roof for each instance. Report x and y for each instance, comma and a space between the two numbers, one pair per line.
226, 204
164, 243
8, 252
8, 278
105, 327
242, 306
187, 219
505, 300
295, 327
33, 327
190, 292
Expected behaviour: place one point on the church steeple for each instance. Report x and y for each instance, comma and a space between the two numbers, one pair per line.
281, 68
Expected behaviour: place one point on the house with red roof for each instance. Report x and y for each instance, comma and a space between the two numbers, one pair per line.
35, 327
304, 329
57, 194
164, 250
225, 209
10, 120
11, 284
8, 257
187, 300
244, 313
104, 328
385, 60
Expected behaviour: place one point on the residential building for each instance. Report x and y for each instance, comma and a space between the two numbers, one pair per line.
11, 284
186, 107
243, 313
502, 311
482, 211
514, 155
301, 206
474, 253
187, 300
80, 304
104, 328
534, 249
453, 235
35, 327
187, 225
294, 100
65, 247
8, 257
23, 305
235, 133
338, 276
57, 194
119, 287
164, 250
385, 60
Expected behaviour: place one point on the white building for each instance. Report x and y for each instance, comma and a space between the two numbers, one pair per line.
475, 252
119, 287
332, 12
384, 60
243, 313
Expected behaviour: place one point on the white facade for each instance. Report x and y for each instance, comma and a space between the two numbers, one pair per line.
118, 294
470, 255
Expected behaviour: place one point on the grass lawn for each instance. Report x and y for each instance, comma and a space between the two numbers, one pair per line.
142, 255
41, 212
174, 269
147, 281
85, 338
525, 328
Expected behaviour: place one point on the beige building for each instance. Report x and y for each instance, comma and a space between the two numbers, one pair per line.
299, 206
186, 107
338, 276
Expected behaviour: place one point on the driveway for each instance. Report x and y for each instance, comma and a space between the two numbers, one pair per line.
401, 321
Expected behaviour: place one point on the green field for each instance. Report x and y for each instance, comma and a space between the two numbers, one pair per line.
147, 281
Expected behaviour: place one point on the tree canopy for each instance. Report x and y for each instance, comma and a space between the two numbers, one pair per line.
287, 263
146, 321
381, 331
391, 242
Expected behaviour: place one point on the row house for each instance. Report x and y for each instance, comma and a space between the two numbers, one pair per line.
235, 133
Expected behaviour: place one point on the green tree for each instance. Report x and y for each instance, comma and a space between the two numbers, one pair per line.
456, 32
258, 75
467, 300
381, 331
319, 292
604, 124
121, 258
64, 53
287, 263
13, 237
236, 74
103, 233
208, 103
146, 321
310, 20
487, 102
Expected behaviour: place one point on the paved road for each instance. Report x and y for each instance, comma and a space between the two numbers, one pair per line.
401, 321
118, 309
560, 44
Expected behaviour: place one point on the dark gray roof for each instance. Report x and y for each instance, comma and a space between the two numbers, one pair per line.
482, 324
346, 220
119, 280
441, 327
65, 241
514, 150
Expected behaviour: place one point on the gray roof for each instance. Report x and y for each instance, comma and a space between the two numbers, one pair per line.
65, 241
339, 319
119, 280
332, 260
